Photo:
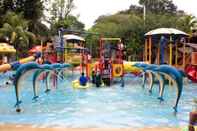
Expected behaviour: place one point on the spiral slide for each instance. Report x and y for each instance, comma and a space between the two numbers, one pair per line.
16, 64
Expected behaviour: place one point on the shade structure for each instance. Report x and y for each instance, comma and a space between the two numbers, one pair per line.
73, 37
36, 49
166, 31
6, 48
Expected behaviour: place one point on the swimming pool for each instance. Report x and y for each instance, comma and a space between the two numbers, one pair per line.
130, 106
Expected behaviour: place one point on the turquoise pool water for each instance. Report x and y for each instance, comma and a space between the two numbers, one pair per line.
130, 106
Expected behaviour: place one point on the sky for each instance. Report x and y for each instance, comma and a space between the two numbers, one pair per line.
90, 10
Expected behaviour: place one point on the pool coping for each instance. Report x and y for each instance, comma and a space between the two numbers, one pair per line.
12, 127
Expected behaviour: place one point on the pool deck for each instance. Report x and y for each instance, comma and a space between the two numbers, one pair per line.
30, 128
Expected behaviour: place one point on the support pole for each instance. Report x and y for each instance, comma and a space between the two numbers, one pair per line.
145, 51
150, 49
176, 55
158, 54
170, 59
184, 56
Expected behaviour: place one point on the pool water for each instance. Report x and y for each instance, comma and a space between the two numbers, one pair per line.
130, 106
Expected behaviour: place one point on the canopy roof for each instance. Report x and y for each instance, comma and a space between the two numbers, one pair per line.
6, 48
73, 37
166, 31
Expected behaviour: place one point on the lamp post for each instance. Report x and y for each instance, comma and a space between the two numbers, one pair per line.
61, 30
144, 14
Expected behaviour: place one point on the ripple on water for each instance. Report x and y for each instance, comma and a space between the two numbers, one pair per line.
97, 107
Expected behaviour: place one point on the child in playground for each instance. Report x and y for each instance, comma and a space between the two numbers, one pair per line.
83, 79
93, 77
98, 79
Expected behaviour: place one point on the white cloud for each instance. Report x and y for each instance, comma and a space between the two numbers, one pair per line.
188, 6
90, 10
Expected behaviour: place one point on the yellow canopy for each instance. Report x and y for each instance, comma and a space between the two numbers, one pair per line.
6, 48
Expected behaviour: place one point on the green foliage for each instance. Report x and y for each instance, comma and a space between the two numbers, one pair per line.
187, 22
61, 17
69, 22
126, 26
159, 6
130, 25
61, 9
33, 12
15, 28
5, 5
31, 9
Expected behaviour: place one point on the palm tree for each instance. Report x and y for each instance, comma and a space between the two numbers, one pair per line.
15, 27
186, 23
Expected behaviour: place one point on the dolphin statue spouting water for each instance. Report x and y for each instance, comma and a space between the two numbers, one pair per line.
142, 66
20, 71
23, 69
48, 69
162, 72
146, 68
45, 68
177, 78
153, 76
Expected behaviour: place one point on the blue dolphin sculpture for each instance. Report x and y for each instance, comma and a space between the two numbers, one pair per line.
45, 68
177, 78
19, 72
153, 75
48, 69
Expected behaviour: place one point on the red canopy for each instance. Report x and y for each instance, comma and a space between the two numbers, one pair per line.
36, 49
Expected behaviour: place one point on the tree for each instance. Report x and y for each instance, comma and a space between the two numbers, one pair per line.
159, 6
126, 26
61, 17
5, 5
187, 22
32, 11
60, 9
70, 22
133, 9
15, 28
129, 24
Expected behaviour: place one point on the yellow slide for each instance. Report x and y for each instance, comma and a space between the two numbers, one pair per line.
128, 68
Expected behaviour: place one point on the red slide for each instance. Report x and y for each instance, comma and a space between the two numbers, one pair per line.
191, 72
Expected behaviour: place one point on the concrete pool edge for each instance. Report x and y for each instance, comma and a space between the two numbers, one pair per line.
12, 127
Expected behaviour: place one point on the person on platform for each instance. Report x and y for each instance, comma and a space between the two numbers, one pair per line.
93, 77
98, 80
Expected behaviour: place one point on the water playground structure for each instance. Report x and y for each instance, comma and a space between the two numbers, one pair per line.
173, 49
116, 73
